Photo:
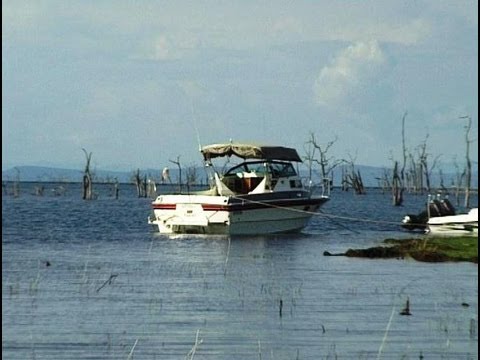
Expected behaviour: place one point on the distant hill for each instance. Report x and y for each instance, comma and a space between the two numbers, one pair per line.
369, 174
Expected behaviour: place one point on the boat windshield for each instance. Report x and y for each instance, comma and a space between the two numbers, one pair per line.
275, 168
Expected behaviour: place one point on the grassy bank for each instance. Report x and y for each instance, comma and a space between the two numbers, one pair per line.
430, 249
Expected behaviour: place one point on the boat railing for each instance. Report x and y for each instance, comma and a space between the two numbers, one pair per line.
324, 187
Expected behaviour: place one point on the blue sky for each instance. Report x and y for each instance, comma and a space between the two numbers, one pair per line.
137, 82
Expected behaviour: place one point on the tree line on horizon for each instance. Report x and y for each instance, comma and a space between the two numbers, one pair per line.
411, 174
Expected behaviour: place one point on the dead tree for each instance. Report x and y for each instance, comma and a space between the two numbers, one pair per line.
399, 176
414, 175
353, 177
423, 160
87, 178
468, 164
397, 186
459, 176
144, 186
404, 153
177, 162
345, 184
137, 179
318, 154
116, 188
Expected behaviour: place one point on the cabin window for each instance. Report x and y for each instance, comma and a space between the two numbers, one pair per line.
276, 169
282, 169
246, 176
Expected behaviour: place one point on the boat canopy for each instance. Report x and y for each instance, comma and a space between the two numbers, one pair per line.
250, 151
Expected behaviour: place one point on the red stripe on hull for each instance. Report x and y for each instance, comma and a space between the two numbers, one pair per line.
164, 206
248, 205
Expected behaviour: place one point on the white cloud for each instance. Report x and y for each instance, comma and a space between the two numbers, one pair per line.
350, 71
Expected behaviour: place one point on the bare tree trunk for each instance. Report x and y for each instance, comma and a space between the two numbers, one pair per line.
144, 186
397, 187
424, 164
344, 180
404, 151
359, 188
116, 189
87, 178
138, 183
354, 179
458, 182
468, 166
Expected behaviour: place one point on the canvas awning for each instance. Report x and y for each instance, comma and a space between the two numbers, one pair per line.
250, 151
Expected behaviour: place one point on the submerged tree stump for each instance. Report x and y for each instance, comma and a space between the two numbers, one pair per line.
87, 178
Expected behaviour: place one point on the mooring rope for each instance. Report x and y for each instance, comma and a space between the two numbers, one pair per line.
323, 214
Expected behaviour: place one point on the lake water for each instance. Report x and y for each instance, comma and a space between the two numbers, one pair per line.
92, 280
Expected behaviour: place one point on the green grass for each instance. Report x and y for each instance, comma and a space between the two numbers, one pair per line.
437, 249
456, 248
427, 248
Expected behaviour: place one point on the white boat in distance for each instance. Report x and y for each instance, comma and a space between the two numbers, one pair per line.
261, 195
460, 224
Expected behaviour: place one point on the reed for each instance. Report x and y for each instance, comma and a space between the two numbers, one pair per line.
130, 355
191, 353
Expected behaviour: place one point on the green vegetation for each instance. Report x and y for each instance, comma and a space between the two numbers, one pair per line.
464, 248
428, 248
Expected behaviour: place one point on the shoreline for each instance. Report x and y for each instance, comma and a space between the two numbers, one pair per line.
426, 249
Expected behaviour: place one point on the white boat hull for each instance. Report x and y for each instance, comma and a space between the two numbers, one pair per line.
461, 225
454, 229
175, 214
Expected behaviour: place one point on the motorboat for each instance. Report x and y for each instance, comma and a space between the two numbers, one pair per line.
262, 194
436, 207
441, 218
459, 224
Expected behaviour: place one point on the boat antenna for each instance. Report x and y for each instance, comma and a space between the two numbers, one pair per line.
205, 163
196, 127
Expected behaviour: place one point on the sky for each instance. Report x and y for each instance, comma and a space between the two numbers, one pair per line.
140, 83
